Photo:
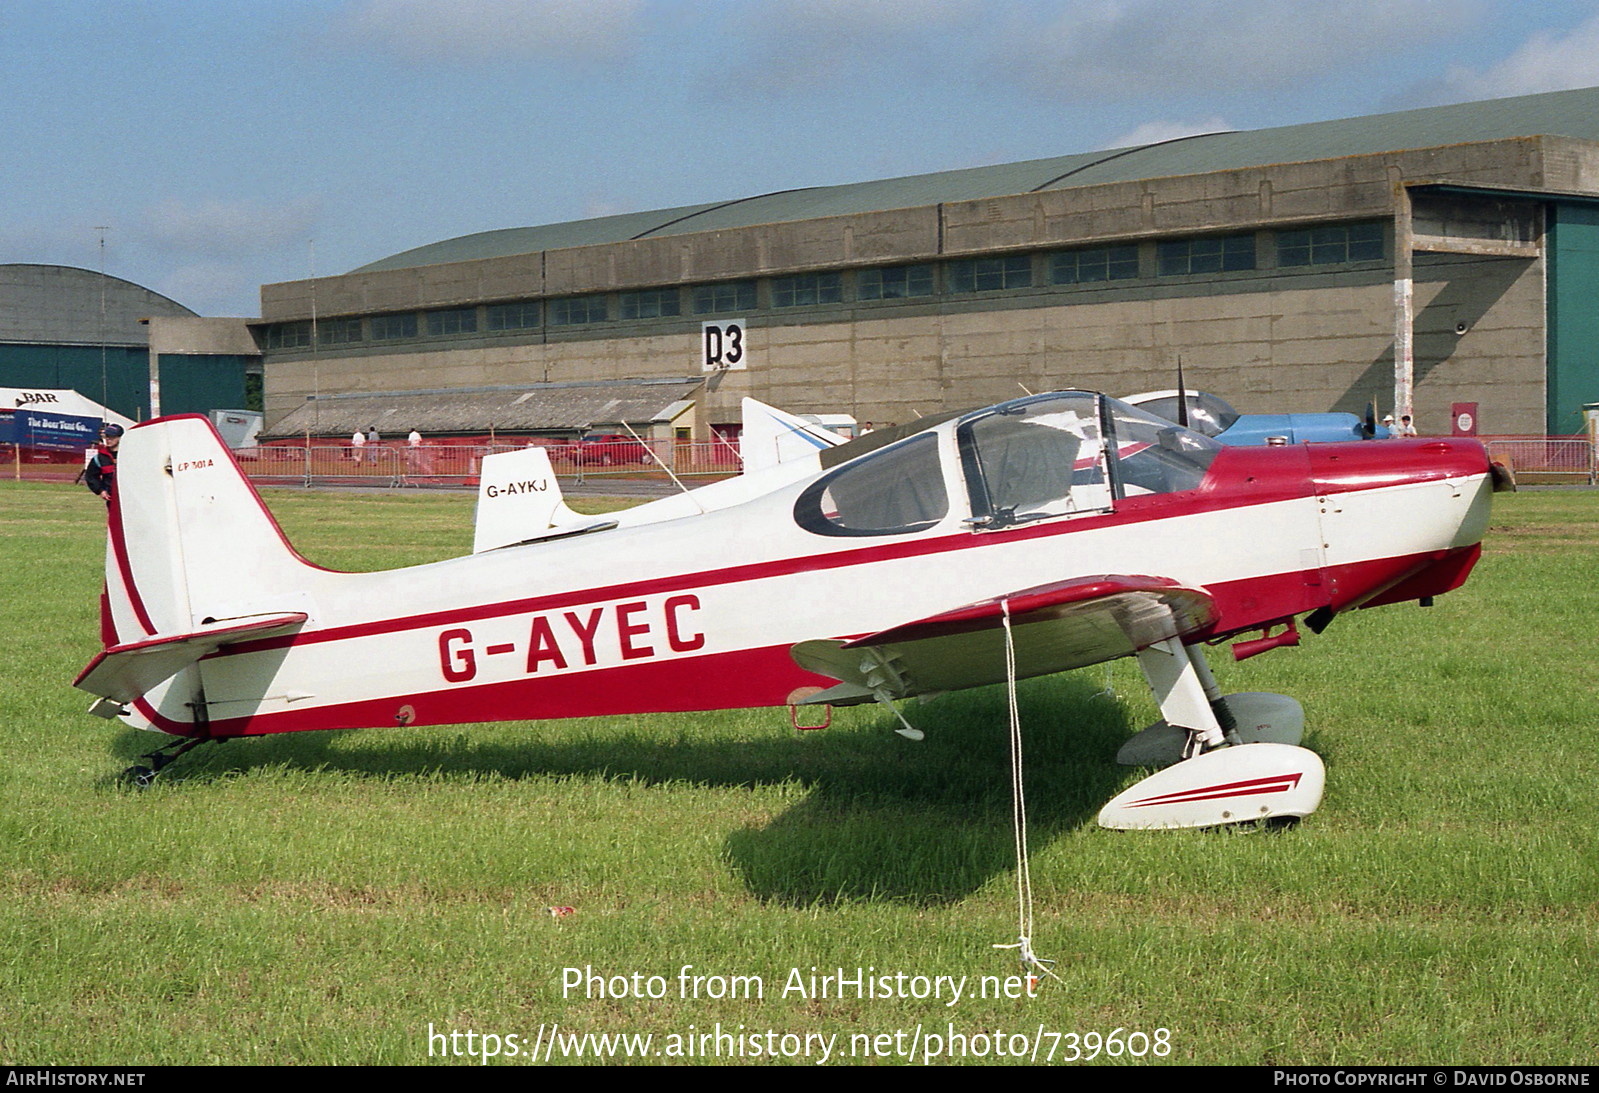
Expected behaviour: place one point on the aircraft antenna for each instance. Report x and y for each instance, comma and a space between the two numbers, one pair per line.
1018, 797
679, 482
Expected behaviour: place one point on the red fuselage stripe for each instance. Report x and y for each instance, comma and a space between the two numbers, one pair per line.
119, 548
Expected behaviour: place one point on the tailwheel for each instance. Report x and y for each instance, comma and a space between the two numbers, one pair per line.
140, 776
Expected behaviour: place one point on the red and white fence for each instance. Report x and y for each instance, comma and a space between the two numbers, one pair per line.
1534, 458
456, 465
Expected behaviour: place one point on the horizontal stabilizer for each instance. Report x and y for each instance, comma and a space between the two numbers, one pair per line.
124, 672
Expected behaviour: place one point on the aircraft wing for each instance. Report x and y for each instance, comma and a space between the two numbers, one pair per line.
124, 672
1059, 626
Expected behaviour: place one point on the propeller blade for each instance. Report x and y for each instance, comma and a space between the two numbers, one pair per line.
1182, 395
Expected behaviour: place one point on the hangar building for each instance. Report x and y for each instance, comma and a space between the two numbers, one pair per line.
68, 328
1452, 252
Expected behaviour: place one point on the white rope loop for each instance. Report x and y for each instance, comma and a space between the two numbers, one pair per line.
1018, 796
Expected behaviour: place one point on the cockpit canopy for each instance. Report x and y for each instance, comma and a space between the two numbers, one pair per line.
1030, 459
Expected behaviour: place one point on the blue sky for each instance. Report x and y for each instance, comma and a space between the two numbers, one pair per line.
224, 145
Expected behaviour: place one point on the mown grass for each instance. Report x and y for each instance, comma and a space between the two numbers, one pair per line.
324, 898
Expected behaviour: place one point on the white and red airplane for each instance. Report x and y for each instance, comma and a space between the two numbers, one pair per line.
1038, 535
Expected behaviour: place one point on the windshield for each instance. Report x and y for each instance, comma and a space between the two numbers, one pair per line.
1035, 458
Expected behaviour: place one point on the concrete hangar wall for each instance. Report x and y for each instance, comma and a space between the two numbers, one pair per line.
1274, 263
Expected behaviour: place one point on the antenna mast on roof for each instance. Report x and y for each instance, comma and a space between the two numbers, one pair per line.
104, 385
316, 364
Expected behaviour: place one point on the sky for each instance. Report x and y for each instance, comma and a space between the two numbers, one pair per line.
205, 148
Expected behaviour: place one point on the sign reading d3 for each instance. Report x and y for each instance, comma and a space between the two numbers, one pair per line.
722, 345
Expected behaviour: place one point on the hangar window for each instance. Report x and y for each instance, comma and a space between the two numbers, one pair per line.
1334, 243
991, 274
652, 303
577, 309
1073, 267
1212, 254
338, 331
894, 282
288, 335
894, 491
389, 327
726, 296
458, 320
807, 290
519, 316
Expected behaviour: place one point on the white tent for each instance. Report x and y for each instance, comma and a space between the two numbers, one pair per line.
60, 419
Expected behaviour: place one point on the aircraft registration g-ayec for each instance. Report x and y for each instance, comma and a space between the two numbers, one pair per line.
1039, 535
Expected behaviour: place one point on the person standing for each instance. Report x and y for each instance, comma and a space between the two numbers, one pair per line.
357, 443
1406, 428
413, 452
101, 473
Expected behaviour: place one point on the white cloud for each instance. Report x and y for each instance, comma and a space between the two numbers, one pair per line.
456, 30
1154, 132
792, 45
229, 227
598, 205
1544, 62
210, 288
1130, 48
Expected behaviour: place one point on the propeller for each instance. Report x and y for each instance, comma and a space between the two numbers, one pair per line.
1182, 395
1368, 428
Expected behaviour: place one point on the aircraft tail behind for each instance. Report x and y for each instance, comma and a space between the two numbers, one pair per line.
193, 560
770, 436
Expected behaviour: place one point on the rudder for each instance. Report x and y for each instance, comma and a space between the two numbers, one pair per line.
190, 541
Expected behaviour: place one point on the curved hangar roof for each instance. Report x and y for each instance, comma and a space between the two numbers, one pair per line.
62, 305
1556, 113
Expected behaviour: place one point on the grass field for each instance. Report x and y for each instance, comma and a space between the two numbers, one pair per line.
327, 898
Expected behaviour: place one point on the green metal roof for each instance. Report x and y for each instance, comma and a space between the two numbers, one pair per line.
1555, 113
65, 305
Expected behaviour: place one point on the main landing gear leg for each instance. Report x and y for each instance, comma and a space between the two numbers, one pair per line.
1188, 696
1213, 783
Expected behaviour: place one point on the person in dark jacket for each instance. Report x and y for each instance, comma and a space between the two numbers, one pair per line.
101, 474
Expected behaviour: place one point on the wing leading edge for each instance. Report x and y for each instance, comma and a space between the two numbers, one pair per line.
1057, 627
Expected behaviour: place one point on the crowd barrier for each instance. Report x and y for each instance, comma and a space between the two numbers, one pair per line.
1547, 458
458, 465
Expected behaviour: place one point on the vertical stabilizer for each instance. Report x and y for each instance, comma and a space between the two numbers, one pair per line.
190, 542
518, 499
770, 436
